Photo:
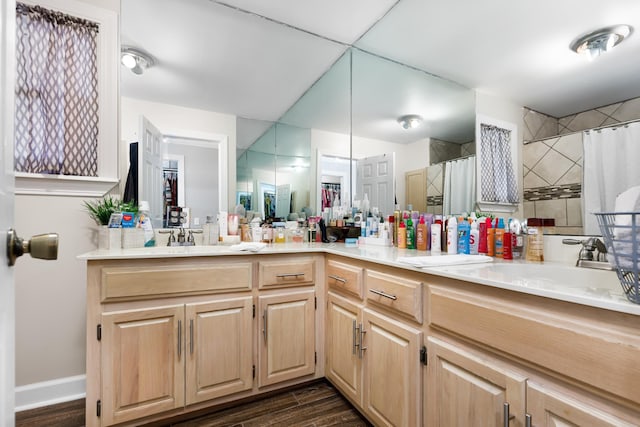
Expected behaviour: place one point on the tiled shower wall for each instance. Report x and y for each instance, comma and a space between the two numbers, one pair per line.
552, 158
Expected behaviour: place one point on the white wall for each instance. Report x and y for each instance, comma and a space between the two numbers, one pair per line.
172, 118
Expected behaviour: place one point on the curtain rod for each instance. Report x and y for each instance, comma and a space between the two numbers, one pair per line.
450, 160
613, 125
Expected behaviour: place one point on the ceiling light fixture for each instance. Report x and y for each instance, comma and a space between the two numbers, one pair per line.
135, 60
410, 121
600, 41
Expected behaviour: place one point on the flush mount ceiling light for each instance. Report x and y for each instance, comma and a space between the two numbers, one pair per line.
136, 60
410, 121
600, 41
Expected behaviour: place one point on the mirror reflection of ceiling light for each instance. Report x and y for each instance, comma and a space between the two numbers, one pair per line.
410, 121
600, 41
135, 60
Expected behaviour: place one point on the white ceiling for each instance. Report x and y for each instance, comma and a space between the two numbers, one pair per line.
237, 57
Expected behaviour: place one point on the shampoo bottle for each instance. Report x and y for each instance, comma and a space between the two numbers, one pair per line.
491, 234
464, 231
452, 236
474, 238
482, 235
402, 235
499, 238
411, 234
422, 237
144, 219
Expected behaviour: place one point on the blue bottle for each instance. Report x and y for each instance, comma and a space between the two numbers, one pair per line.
464, 230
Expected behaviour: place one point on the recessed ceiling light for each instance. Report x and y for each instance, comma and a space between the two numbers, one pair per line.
600, 41
410, 121
135, 60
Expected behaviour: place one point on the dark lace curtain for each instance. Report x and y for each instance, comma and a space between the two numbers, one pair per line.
499, 182
56, 125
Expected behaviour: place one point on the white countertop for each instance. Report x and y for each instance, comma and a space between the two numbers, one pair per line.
564, 282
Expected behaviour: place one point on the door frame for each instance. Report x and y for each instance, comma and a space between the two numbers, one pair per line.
7, 190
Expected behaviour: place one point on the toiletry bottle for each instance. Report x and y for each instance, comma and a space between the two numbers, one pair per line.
396, 220
392, 231
517, 238
428, 219
535, 244
211, 231
436, 231
491, 234
507, 243
402, 235
482, 235
474, 238
411, 234
144, 219
421, 235
452, 236
464, 231
499, 238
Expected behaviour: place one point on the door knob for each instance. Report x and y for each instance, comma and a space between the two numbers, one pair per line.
42, 246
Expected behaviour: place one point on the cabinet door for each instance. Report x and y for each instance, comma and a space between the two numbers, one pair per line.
553, 408
343, 364
392, 373
142, 363
287, 336
469, 388
219, 350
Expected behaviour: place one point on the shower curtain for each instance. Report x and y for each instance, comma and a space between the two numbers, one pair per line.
610, 167
459, 186
499, 183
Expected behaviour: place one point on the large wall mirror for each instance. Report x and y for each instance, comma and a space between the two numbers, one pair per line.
357, 145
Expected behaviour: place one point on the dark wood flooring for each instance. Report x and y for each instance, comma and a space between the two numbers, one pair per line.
313, 405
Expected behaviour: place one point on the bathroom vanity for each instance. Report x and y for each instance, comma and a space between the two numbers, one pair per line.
175, 330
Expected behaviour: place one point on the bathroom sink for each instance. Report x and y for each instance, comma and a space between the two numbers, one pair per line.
547, 276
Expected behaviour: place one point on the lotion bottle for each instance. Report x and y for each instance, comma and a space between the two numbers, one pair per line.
464, 231
411, 234
436, 232
499, 238
452, 236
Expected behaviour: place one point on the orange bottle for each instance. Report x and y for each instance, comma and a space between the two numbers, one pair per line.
402, 235
422, 236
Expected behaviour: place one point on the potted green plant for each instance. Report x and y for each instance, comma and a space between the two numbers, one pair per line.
100, 211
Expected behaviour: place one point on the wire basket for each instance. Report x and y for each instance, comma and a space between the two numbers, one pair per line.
621, 234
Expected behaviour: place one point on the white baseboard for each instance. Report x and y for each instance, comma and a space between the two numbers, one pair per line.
47, 393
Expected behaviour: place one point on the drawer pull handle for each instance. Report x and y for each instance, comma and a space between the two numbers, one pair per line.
383, 294
264, 324
191, 336
179, 338
338, 279
355, 337
506, 415
362, 347
287, 275
527, 420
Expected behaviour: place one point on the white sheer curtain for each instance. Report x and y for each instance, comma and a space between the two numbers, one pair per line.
459, 186
610, 167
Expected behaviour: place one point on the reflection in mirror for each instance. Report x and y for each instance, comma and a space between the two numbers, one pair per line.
383, 92
293, 160
260, 182
324, 111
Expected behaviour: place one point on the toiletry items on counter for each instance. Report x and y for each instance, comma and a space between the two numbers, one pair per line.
452, 236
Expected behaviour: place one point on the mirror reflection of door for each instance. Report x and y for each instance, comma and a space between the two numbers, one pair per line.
334, 171
376, 179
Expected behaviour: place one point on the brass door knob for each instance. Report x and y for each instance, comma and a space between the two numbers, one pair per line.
42, 246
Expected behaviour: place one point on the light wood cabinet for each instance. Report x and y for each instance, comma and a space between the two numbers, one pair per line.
468, 388
392, 393
219, 348
287, 336
344, 367
143, 363
549, 406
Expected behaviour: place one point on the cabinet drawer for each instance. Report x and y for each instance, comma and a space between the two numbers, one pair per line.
345, 278
122, 283
275, 274
396, 293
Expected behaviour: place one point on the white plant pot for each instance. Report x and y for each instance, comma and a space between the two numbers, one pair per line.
109, 238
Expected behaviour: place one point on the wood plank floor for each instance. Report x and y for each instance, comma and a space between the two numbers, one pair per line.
313, 405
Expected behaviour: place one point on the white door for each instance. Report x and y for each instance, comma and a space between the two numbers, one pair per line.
7, 304
376, 179
150, 179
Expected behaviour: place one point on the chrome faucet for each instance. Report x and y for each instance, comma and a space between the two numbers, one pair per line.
593, 253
